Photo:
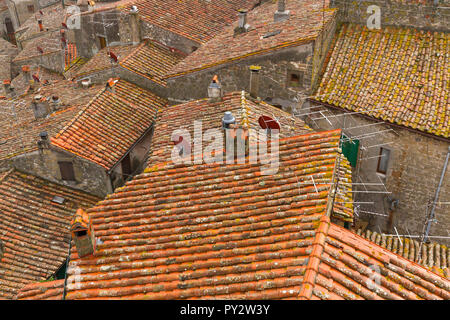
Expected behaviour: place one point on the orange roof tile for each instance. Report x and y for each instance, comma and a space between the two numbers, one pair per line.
48, 290
393, 74
222, 231
197, 20
304, 25
110, 124
351, 267
34, 229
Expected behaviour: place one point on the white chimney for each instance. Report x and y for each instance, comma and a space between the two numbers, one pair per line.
281, 14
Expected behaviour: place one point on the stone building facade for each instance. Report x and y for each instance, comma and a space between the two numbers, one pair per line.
403, 196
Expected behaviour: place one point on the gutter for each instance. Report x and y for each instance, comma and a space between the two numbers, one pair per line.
436, 197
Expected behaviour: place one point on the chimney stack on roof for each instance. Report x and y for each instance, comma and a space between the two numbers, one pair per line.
135, 25
215, 90
26, 74
7, 86
281, 14
83, 233
254, 81
243, 26
41, 26
40, 106
83, 5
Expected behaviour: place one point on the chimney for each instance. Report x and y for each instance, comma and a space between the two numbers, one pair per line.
281, 14
63, 38
83, 233
215, 90
41, 26
56, 103
236, 141
26, 74
242, 22
254, 81
86, 83
44, 138
135, 25
40, 107
83, 5
7, 87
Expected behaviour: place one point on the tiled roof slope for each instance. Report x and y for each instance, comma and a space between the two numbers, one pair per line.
34, 230
109, 125
197, 20
210, 231
432, 255
344, 265
49, 290
393, 74
49, 43
19, 129
45, 76
152, 60
51, 18
246, 111
102, 61
148, 59
304, 24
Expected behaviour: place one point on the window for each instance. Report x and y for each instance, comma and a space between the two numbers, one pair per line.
126, 167
383, 160
295, 79
66, 169
30, 8
102, 42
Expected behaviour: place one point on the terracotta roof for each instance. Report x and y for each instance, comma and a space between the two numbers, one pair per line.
197, 20
304, 24
393, 74
34, 229
19, 129
343, 265
48, 290
148, 59
110, 124
152, 60
45, 76
210, 231
432, 255
246, 111
102, 61
51, 18
74, 67
49, 43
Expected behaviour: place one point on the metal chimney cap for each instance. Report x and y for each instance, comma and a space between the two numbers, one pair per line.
134, 9
43, 135
228, 118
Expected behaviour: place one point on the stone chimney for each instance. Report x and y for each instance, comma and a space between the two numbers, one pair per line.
41, 26
242, 23
40, 106
236, 142
63, 38
215, 90
7, 87
83, 234
254, 81
135, 25
83, 5
281, 14
56, 103
26, 74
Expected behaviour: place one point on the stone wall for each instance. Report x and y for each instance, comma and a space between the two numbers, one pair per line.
273, 84
89, 177
414, 169
52, 61
428, 16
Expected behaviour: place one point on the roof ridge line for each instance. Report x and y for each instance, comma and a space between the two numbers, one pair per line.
138, 47
312, 268
6, 175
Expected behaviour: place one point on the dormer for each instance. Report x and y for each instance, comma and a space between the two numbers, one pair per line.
83, 233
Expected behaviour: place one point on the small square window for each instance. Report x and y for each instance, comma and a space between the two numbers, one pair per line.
383, 160
66, 169
295, 79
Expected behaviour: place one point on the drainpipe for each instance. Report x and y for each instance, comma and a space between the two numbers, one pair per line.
436, 197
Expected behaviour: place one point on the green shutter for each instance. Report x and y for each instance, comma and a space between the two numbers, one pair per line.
350, 149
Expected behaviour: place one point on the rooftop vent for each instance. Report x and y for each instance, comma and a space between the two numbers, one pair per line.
243, 26
281, 14
86, 83
134, 9
59, 200
41, 26
227, 120
215, 90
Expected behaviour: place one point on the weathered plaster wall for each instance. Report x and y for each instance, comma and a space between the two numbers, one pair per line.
52, 61
414, 170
